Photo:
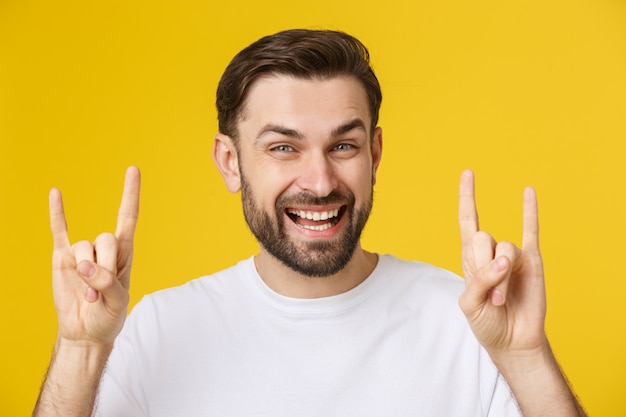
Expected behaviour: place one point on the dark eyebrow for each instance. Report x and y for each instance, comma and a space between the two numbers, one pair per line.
347, 127
281, 130
294, 134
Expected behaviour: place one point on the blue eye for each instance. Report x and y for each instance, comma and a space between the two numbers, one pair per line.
282, 148
344, 147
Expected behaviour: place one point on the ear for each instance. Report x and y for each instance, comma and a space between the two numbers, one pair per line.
377, 151
225, 157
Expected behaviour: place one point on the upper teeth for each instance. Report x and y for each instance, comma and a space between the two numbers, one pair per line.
315, 215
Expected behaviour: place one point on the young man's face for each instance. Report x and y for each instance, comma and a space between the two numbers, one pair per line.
308, 161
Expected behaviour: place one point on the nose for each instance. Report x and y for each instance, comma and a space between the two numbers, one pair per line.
317, 175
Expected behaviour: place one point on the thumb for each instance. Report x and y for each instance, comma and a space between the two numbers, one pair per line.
102, 282
478, 289
87, 270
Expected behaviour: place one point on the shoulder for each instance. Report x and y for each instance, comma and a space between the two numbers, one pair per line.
220, 280
423, 292
198, 293
419, 275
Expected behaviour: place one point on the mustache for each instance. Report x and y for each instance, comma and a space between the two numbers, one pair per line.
308, 199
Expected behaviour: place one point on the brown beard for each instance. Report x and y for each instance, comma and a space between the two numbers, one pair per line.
316, 258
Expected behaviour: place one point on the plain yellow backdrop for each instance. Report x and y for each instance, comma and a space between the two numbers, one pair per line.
523, 92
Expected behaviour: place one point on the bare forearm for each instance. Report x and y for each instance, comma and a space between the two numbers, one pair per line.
539, 385
72, 381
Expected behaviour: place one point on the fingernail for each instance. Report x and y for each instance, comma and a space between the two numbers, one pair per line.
86, 269
497, 298
499, 264
91, 295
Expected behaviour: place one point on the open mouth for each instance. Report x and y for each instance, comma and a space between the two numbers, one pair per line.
316, 220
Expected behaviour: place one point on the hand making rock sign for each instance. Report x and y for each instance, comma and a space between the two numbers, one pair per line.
504, 299
91, 280
505, 304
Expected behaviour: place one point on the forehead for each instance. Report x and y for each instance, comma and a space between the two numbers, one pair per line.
312, 103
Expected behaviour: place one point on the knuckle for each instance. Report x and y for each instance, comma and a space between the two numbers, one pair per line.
81, 244
487, 277
505, 245
102, 279
106, 239
507, 248
82, 248
106, 245
483, 238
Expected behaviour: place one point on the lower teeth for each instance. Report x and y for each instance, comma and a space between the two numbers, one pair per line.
317, 228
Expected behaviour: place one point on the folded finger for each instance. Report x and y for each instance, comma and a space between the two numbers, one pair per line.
83, 251
506, 255
103, 282
483, 246
482, 288
84, 254
105, 249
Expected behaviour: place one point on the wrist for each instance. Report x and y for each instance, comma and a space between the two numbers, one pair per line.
79, 344
537, 382
525, 361
81, 357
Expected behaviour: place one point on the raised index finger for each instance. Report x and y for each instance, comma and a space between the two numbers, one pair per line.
468, 216
129, 208
58, 224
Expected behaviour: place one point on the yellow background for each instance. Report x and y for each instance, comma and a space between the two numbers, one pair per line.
524, 92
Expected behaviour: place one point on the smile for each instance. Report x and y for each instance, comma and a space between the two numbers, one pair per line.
316, 220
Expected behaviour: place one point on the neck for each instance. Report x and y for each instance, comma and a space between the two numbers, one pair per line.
285, 281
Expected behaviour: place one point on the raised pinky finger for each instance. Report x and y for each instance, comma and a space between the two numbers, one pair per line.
58, 224
530, 236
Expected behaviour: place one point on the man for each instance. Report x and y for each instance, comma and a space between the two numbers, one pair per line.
314, 324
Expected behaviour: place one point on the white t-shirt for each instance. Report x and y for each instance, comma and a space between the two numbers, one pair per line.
227, 345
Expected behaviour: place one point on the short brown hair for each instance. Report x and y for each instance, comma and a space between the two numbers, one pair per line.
301, 53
